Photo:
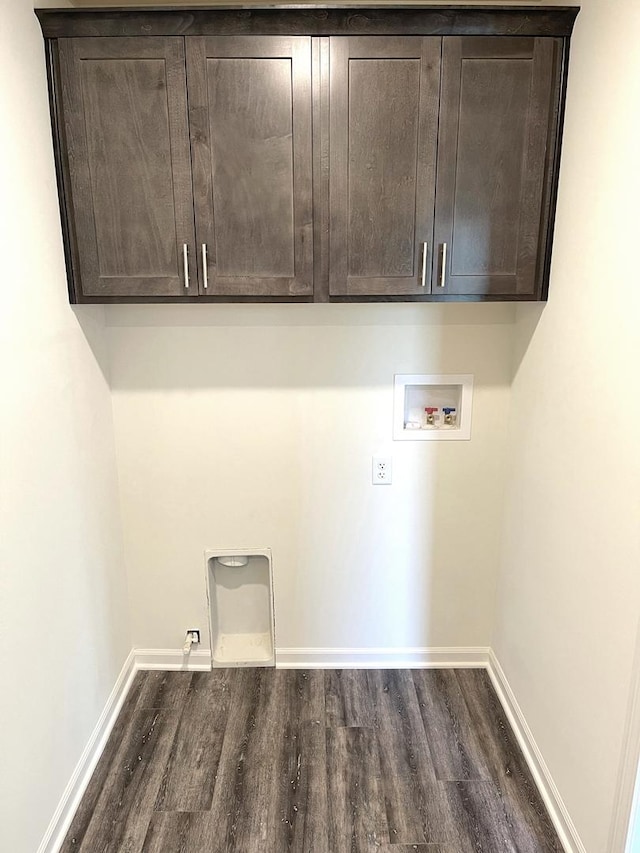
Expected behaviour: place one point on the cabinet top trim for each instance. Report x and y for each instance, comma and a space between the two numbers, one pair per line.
311, 21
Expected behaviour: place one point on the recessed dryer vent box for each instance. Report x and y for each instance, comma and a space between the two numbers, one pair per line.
240, 592
432, 407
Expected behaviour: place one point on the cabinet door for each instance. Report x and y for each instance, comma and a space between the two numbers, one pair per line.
250, 117
131, 204
495, 120
383, 129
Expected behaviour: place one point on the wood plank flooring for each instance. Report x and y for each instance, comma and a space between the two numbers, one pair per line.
333, 761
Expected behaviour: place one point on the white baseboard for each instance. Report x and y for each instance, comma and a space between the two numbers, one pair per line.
61, 820
316, 658
369, 658
558, 812
197, 660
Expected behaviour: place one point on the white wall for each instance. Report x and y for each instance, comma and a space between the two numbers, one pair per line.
63, 608
254, 425
567, 609
240, 426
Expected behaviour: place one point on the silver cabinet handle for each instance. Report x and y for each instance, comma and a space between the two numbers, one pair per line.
443, 270
185, 261
205, 276
425, 251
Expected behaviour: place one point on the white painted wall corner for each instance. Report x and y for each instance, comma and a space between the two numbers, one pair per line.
70, 800
137, 659
549, 792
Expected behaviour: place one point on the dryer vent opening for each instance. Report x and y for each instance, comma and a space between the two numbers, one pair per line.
240, 608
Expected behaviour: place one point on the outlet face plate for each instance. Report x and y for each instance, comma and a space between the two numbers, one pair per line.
381, 470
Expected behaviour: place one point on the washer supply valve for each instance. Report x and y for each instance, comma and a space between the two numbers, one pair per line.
449, 416
430, 416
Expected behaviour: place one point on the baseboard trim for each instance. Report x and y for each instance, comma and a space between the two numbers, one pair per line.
70, 800
196, 661
549, 792
457, 657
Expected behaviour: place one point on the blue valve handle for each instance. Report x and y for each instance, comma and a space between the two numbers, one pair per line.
448, 411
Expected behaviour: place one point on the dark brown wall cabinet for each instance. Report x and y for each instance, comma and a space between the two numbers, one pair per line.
250, 118
496, 139
307, 155
383, 138
129, 164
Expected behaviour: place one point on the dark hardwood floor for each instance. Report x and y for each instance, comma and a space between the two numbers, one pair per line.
334, 761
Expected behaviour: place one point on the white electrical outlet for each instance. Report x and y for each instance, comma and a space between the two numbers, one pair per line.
381, 471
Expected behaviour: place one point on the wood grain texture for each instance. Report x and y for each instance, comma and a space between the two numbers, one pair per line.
320, 150
480, 820
250, 118
412, 848
495, 128
265, 760
320, 21
455, 750
126, 800
116, 202
417, 811
254, 233
268, 767
415, 806
552, 175
127, 125
160, 689
402, 740
491, 133
356, 814
242, 800
178, 832
190, 776
383, 118
63, 178
124, 105
347, 698
383, 136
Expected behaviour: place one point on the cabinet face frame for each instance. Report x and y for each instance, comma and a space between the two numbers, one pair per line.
320, 22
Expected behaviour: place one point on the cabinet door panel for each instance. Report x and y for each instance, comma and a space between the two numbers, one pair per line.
125, 115
494, 132
383, 130
250, 109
